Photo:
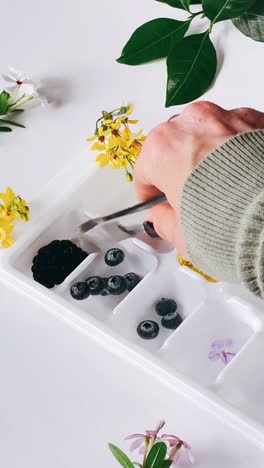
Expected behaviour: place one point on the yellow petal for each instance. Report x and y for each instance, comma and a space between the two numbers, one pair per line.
97, 146
92, 138
8, 242
130, 109
102, 160
133, 121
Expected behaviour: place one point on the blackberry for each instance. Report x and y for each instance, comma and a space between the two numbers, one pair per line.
114, 257
55, 261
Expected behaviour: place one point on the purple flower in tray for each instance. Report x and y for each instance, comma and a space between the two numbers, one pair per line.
222, 350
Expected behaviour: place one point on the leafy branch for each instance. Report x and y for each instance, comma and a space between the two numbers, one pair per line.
192, 59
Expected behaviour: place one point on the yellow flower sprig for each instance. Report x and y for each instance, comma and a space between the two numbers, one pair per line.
117, 145
12, 208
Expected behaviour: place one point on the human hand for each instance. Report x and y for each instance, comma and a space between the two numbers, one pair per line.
174, 148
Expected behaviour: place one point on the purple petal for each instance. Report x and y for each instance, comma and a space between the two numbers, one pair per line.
134, 436
229, 343
218, 344
229, 357
161, 424
136, 444
214, 355
223, 358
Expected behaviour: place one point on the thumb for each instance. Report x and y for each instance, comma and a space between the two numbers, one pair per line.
166, 224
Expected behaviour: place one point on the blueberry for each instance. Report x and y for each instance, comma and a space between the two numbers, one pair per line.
116, 285
171, 320
96, 285
114, 257
131, 279
148, 329
80, 291
165, 306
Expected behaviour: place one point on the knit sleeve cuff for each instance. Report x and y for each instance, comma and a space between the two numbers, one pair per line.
222, 212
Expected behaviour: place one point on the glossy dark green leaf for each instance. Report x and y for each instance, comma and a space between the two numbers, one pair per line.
156, 455
9, 122
166, 464
152, 40
191, 68
182, 4
219, 10
5, 129
252, 23
120, 456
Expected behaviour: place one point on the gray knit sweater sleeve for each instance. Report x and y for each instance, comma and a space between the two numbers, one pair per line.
222, 212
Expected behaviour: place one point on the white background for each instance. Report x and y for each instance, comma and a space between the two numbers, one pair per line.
62, 397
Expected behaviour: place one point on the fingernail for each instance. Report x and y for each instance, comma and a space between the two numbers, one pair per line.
149, 228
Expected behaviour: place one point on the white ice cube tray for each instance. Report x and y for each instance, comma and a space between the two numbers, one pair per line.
210, 310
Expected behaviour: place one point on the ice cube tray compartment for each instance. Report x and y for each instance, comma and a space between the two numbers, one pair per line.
166, 281
242, 383
138, 259
188, 348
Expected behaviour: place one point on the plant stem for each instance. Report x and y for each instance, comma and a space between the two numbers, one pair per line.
146, 452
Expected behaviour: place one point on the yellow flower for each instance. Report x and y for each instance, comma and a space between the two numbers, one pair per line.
5, 229
12, 208
117, 145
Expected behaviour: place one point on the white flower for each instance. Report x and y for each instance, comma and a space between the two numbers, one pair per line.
21, 84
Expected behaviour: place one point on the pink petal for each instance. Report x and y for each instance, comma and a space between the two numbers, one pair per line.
170, 436
134, 436
214, 355
176, 457
186, 445
189, 454
142, 450
151, 433
161, 424
136, 444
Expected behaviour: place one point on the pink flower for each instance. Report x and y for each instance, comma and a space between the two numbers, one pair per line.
140, 439
220, 350
177, 444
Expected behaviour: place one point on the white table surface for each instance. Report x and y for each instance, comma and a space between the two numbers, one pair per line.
62, 396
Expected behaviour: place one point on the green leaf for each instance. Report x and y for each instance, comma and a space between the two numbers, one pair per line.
182, 4
4, 96
152, 40
191, 68
156, 455
12, 123
219, 10
5, 129
120, 456
252, 23
166, 464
